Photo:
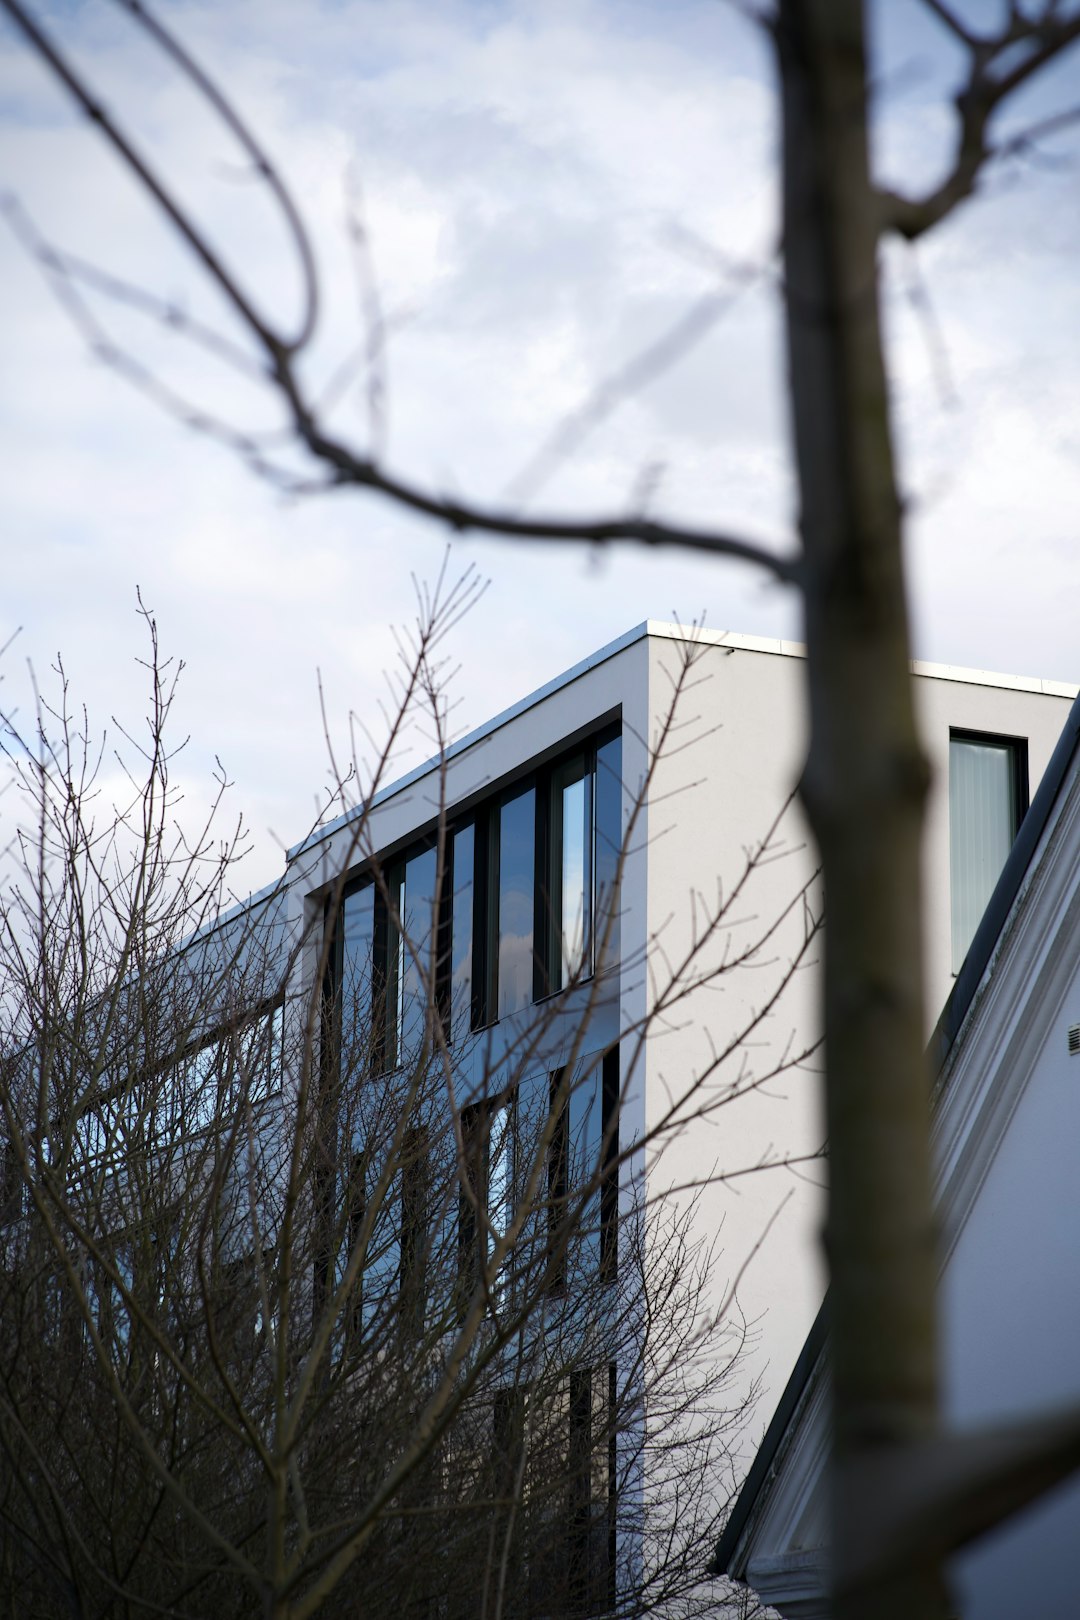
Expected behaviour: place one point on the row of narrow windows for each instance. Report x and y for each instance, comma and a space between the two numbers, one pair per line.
434, 1227
521, 908
435, 1223
151, 1111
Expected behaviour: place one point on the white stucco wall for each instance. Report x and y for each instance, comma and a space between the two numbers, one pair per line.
737, 755
739, 745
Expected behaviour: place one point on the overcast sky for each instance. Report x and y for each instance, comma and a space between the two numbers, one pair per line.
548, 187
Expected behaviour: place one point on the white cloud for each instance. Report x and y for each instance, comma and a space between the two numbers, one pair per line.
543, 185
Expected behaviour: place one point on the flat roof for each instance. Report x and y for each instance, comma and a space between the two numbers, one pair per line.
663, 630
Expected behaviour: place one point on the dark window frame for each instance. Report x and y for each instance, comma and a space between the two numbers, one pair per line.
385, 878
562, 1546
476, 1124
1016, 748
542, 778
560, 1190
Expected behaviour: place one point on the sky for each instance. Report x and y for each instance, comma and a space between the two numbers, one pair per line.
547, 187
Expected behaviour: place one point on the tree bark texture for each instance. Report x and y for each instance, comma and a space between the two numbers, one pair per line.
865, 779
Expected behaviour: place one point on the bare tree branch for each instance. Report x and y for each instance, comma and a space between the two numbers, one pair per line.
343, 466
995, 71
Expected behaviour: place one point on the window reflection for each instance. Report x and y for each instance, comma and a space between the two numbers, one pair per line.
607, 844
461, 934
553, 843
517, 838
987, 790
357, 959
414, 965
571, 875
486, 1198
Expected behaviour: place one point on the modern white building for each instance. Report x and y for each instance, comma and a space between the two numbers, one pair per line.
1006, 1123
535, 803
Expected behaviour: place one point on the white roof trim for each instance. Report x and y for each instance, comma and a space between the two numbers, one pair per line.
661, 630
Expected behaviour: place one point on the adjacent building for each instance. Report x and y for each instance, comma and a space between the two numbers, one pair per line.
1006, 1057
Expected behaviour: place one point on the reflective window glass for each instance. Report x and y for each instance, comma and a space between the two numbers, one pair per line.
517, 840
461, 933
986, 790
571, 874
607, 843
415, 964
357, 972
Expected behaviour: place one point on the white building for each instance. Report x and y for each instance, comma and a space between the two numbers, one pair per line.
709, 794
1006, 1125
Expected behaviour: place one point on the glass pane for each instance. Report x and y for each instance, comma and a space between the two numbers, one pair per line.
357, 946
607, 845
415, 964
586, 1134
517, 838
983, 820
120, 1291
382, 1268
461, 937
573, 848
500, 1171
272, 1074
414, 1214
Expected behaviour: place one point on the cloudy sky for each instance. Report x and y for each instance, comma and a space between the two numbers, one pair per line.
548, 187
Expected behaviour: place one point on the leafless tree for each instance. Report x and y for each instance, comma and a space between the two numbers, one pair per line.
865, 779
307, 1302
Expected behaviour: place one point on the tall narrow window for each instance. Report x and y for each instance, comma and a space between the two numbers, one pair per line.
570, 897
987, 800
591, 1516
486, 1198
355, 1209
390, 1284
586, 1133
558, 1184
240, 1322
414, 1226
461, 932
570, 1494
380, 1282
515, 891
359, 1036
611, 1090
509, 1429
108, 1294
584, 1154
607, 845
413, 959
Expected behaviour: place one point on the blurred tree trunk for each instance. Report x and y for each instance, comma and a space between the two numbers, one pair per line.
865, 779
